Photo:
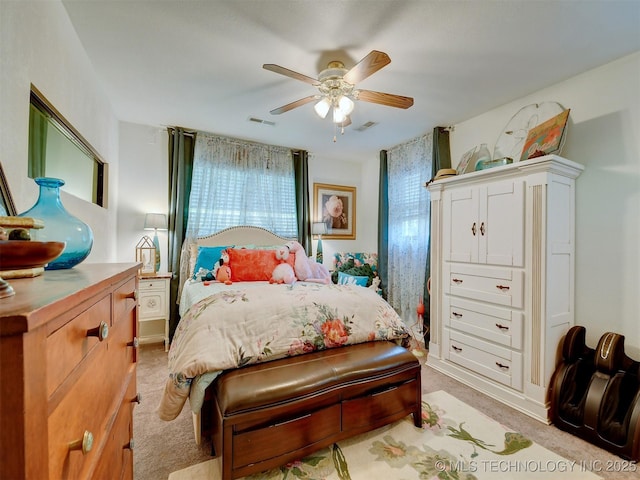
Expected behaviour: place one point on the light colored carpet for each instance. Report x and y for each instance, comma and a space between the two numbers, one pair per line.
165, 447
456, 441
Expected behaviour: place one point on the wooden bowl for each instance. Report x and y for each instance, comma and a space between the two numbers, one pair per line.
21, 254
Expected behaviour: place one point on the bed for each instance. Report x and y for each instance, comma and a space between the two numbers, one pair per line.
250, 323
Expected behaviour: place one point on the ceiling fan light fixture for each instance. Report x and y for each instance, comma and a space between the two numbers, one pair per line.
338, 115
322, 107
345, 105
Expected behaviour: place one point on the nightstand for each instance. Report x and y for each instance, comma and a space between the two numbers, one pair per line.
153, 315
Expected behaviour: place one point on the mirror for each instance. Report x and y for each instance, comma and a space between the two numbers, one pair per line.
56, 149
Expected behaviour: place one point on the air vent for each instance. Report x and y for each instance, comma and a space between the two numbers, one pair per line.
365, 126
264, 122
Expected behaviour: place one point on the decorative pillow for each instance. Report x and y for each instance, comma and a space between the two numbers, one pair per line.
346, 279
349, 267
207, 257
249, 265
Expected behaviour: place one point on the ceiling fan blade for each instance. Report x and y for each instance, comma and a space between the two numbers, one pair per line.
292, 105
290, 73
369, 65
387, 99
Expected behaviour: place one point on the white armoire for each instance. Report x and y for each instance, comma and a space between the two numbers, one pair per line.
502, 277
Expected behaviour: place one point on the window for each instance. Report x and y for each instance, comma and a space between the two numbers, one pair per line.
241, 183
57, 150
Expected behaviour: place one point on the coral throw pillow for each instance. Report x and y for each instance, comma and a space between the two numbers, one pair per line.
249, 265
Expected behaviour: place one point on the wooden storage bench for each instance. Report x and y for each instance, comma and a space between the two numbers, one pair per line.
268, 414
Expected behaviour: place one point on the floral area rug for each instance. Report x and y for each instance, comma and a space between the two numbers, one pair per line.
456, 442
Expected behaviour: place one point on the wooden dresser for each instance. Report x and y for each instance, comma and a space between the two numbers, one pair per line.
68, 374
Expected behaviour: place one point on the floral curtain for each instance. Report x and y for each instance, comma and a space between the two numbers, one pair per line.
408, 169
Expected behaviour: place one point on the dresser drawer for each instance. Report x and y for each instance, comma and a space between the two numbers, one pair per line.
90, 404
124, 300
117, 458
67, 346
258, 445
498, 363
503, 286
487, 321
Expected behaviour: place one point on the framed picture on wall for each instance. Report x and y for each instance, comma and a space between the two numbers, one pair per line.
335, 206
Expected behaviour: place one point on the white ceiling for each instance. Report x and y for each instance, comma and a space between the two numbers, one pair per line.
198, 64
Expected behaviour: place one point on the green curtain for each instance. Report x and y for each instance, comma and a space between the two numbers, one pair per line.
181, 149
441, 158
38, 125
301, 168
383, 222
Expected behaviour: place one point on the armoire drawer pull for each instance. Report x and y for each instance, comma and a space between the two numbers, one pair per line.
85, 443
504, 288
137, 399
456, 280
457, 349
505, 367
130, 445
456, 314
101, 331
473, 229
135, 343
502, 327
133, 295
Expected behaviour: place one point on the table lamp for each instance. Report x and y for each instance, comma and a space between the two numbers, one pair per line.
155, 222
319, 229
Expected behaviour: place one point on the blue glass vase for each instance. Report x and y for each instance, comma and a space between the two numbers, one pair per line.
59, 225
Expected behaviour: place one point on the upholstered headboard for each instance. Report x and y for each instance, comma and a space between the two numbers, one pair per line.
240, 235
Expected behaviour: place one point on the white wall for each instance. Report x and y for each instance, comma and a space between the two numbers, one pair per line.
144, 185
604, 136
38, 45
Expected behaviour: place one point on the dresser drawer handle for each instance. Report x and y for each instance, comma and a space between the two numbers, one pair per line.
101, 331
85, 443
502, 327
482, 228
457, 349
473, 229
456, 280
504, 288
135, 343
504, 367
456, 314
133, 295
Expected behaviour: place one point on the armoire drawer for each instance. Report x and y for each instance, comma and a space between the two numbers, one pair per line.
503, 286
490, 322
493, 361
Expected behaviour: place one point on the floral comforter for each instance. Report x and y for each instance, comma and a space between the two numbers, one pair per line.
236, 327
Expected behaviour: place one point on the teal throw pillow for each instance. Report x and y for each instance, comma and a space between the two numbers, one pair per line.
346, 279
207, 257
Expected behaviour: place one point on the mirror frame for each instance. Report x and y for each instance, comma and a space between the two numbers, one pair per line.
5, 193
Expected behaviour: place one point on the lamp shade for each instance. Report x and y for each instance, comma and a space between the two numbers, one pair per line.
318, 228
322, 107
154, 221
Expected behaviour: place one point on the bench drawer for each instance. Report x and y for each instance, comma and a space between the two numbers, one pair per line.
371, 409
284, 437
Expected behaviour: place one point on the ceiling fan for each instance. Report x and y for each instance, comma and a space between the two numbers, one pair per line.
337, 91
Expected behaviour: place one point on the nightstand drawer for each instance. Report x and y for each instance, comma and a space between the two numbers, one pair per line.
152, 284
153, 304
